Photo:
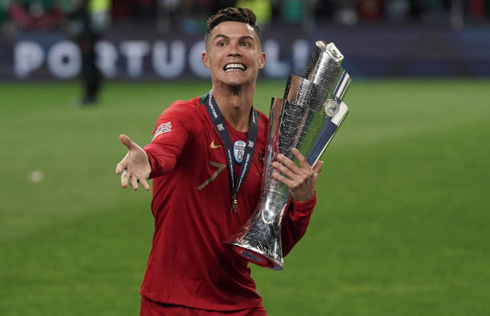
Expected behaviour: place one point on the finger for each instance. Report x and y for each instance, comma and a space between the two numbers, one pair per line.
124, 179
134, 183
302, 159
126, 141
317, 167
121, 166
286, 181
284, 170
288, 163
145, 185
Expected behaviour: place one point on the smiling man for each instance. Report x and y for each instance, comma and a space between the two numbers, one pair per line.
206, 161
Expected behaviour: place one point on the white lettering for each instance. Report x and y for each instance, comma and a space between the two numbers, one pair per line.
64, 60
195, 61
274, 67
167, 60
165, 66
301, 51
107, 56
28, 56
135, 51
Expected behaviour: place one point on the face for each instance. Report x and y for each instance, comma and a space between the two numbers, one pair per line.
233, 54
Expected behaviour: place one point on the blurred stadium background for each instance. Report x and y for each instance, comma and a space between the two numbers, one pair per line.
402, 222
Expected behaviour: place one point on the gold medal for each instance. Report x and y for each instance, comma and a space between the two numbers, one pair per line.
234, 203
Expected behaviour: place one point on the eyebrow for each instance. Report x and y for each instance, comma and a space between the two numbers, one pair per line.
227, 37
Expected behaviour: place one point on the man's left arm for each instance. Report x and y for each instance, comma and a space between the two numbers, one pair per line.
295, 222
301, 181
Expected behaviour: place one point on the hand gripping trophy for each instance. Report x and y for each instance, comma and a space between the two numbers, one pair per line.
307, 119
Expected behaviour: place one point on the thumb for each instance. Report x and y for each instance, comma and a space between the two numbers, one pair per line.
126, 141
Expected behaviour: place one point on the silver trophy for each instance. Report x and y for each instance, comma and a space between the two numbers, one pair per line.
307, 118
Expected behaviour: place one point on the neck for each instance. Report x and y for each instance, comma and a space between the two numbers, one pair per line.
235, 105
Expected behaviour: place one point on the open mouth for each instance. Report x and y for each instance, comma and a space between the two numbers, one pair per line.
235, 66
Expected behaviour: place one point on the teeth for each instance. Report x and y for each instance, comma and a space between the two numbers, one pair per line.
235, 66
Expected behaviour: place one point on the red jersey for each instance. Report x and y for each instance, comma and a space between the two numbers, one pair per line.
189, 263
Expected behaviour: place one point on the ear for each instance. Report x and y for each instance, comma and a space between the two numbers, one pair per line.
262, 59
205, 60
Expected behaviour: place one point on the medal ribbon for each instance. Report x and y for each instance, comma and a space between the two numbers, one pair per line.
219, 125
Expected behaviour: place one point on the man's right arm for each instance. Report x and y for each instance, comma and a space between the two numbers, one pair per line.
135, 167
159, 157
171, 133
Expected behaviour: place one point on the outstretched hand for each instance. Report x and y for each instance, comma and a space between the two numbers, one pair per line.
134, 167
301, 180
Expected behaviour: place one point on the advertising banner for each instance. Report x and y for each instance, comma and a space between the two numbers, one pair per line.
373, 51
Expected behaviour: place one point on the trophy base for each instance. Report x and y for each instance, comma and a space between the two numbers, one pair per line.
255, 257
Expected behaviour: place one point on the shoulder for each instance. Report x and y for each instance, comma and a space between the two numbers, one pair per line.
262, 117
263, 121
181, 107
178, 114
182, 112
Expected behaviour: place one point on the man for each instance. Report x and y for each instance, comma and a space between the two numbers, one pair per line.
197, 203
89, 19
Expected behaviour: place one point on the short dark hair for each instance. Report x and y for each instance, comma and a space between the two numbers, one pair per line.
233, 14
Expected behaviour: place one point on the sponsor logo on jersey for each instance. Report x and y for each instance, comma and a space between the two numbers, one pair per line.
214, 146
162, 128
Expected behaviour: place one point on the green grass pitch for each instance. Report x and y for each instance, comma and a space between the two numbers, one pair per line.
401, 227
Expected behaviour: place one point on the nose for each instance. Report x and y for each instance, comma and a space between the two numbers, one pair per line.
234, 49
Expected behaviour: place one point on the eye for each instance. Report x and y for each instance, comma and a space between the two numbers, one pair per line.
221, 44
246, 44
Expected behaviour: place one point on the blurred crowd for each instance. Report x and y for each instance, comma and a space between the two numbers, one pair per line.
190, 15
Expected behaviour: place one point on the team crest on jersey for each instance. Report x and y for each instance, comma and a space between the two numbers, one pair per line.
261, 158
163, 128
239, 150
